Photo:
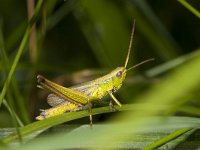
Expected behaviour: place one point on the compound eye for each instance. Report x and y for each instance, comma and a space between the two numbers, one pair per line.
119, 74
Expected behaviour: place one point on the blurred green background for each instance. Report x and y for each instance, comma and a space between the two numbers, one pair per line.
75, 41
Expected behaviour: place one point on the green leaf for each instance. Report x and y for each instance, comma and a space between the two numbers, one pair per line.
170, 129
190, 8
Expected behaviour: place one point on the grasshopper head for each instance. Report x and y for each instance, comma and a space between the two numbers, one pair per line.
119, 75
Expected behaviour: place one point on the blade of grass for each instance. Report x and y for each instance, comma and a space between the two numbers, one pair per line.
167, 138
13, 113
7, 82
100, 30
152, 29
171, 64
190, 8
20, 50
49, 122
82, 136
19, 101
11, 110
190, 110
15, 118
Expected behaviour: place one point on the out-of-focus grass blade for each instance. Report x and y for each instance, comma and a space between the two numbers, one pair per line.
172, 64
138, 139
18, 97
20, 50
190, 8
13, 113
153, 30
190, 110
167, 138
47, 123
106, 31
44, 124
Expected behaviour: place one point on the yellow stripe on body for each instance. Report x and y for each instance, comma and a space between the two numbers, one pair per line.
58, 110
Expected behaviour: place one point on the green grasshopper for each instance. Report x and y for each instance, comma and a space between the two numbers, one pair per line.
81, 96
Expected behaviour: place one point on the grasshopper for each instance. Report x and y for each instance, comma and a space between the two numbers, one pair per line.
81, 96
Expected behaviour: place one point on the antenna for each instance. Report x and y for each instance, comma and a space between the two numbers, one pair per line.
130, 45
145, 61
